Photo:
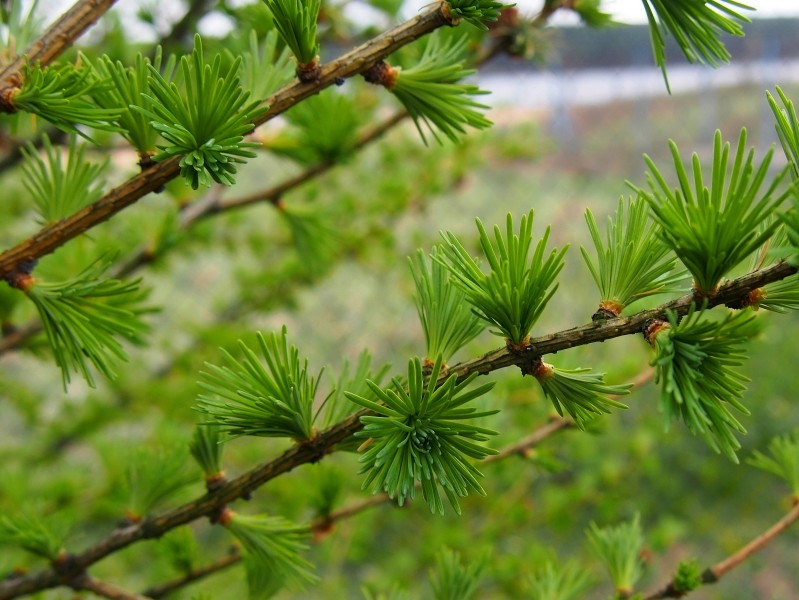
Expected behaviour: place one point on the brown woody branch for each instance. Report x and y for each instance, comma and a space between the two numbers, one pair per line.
716, 572
322, 525
53, 236
316, 449
101, 588
161, 590
61, 35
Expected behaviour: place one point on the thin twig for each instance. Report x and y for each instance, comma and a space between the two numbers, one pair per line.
61, 35
716, 572
319, 447
324, 523
161, 590
55, 235
102, 588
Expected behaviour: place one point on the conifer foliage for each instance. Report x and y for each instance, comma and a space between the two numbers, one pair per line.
713, 245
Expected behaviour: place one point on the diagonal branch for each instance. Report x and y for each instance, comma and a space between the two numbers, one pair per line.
316, 449
61, 35
323, 524
717, 571
86, 582
53, 236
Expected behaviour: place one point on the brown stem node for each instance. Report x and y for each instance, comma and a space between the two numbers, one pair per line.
382, 73
752, 298
309, 72
653, 328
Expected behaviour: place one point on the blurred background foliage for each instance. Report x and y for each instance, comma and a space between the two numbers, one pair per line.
329, 262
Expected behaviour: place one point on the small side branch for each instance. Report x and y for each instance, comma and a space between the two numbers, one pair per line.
159, 591
102, 588
61, 35
52, 237
716, 572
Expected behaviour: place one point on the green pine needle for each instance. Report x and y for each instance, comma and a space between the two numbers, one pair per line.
781, 296
263, 583
61, 94
323, 128
582, 395
206, 125
633, 262
60, 188
787, 124
131, 86
516, 291
451, 579
264, 67
696, 26
783, 462
714, 227
275, 545
152, 476
85, 316
687, 578
432, 95
32, 535
419, 435
206, 448
447, 320
337, 406
315, 238
559, 582
181, 549
619, 548
476, 12
694, 362
274, 399
295, 21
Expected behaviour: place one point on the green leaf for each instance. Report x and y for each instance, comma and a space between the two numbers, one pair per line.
516, 291
431, 94
274, 399
584, 396
787, 124
447, 320
783, 462
619, 548
420, 436
696, 26
712, 228
206, 125
85, 316
633, 262
60, 188
275, 545
694, 364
